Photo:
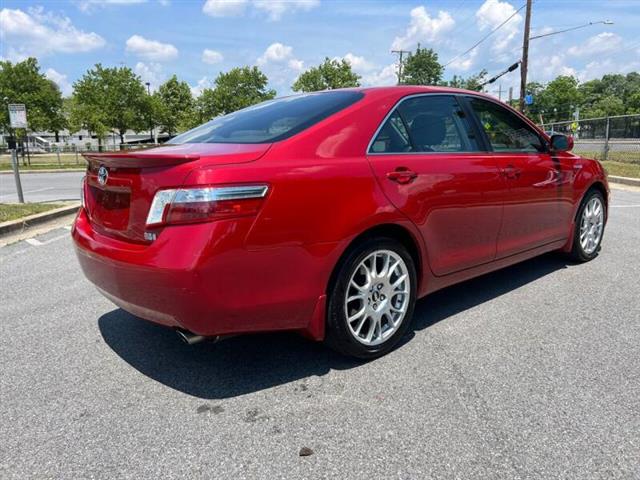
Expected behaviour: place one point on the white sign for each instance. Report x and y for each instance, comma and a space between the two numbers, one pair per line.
17, 115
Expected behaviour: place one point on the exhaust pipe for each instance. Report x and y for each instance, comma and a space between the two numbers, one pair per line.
191, 338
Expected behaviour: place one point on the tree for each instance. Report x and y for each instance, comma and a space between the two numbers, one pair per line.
173, 106
87, 116
605, 107
238, 88
329, 75
422, 68
112, 97
22, 82
473, 82
558, 100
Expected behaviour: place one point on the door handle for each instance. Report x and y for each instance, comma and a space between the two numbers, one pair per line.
402, 175
511, 172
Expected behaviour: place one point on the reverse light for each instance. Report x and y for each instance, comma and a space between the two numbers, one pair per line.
187, 205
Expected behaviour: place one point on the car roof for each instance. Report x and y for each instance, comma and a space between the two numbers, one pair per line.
402, 90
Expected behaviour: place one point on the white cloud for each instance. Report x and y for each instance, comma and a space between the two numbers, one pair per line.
211, 56
604, 42
280, 64
490, 15
151, 49
224, 8
424, 28
277, 53
38, 33
61, 80
89, 5
358, 63
464, 64
204, 82
386, 76
150, 72
275, 9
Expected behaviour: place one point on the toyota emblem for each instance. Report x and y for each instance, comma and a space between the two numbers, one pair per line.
103, 174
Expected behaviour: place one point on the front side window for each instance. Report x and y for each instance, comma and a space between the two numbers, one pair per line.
272, 120
432, 123
506, 132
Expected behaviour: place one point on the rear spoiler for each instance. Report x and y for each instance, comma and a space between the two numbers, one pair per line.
139, 159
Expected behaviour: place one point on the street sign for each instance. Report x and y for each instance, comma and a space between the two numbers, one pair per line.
17, 115
528, 99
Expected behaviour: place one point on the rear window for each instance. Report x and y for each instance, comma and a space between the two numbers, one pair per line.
271, 121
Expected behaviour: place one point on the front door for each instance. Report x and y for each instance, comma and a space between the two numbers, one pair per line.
538, 203
428, 162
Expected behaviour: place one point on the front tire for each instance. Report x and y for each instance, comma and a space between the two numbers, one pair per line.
589, 229
372, 298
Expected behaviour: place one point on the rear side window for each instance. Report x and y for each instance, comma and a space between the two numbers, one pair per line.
506, 132
271, 121
433, 123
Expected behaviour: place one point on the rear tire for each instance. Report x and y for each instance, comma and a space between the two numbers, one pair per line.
589, 229
371, 299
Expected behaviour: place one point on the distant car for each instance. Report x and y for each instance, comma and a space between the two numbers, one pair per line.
330, 213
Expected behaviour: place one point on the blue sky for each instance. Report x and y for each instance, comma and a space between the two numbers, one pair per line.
196, 39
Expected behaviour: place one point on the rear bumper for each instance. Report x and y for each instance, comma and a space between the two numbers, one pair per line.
201, 278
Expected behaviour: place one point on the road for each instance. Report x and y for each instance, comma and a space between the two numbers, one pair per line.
530, 372
42, 187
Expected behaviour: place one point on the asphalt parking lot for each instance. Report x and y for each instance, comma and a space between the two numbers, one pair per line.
530, 372
42, 187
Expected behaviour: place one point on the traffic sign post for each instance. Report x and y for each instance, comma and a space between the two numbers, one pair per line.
17, 119
16, 174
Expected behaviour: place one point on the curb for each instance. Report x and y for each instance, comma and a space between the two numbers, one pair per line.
635, 182
53, 170
25, 222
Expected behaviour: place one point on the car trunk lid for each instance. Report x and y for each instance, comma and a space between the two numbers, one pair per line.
120, 186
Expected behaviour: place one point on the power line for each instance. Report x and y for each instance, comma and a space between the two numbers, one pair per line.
485, 37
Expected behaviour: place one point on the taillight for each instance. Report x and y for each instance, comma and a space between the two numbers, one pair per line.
199, 204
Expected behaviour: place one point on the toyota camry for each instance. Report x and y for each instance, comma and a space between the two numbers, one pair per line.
331, 213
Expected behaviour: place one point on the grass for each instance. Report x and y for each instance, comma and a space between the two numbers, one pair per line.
45, 162
622, 169
14, 211
627, 157
43, 166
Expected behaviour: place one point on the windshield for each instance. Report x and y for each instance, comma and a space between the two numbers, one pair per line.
271, 121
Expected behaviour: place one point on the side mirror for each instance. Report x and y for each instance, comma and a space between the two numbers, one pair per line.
561, 143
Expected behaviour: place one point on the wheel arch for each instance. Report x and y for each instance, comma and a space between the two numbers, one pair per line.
600, 187
394, 231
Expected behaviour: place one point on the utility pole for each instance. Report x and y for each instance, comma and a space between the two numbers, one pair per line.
500, 91
400, 62
525, 55
148, 84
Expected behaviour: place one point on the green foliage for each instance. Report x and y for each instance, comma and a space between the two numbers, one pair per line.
613, 94
238, 88
22, 82
422, 68
111, 98
172, 106
473, 82
329, 75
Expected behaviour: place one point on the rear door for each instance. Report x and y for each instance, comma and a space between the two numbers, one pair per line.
538, 201
429, 163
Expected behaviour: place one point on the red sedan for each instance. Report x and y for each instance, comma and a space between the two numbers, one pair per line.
330, 213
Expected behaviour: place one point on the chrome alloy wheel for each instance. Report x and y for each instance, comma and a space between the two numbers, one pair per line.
377, 297
591, 225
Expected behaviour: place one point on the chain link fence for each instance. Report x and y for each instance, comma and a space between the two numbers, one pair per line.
608, 138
